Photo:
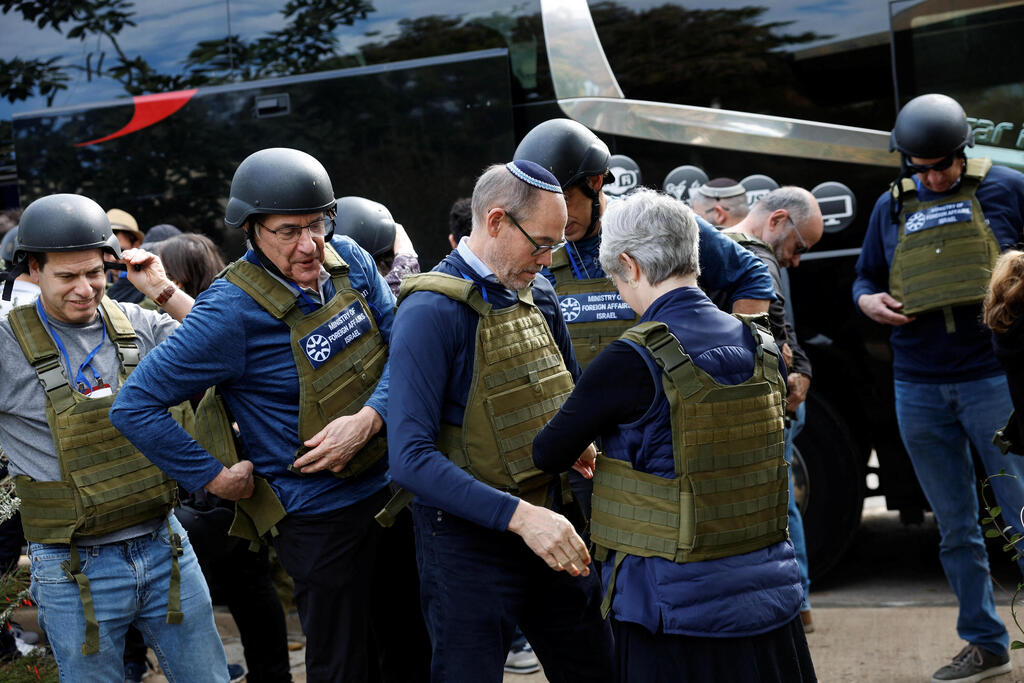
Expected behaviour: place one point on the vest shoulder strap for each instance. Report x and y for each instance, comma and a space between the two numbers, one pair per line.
122, 334
978, 168
455, 288
337, 268
669, 354
41, 353
31, 335
560, 266
744, 240
273, 296
906, 184
758, 324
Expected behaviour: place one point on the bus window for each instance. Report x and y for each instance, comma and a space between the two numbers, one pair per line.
973, 55
820, 61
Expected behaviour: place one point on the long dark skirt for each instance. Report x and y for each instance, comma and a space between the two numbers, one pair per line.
780, 655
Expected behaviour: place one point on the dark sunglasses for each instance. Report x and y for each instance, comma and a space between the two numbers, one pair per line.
940, 165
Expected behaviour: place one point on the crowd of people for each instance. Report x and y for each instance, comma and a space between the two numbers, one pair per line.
566, 445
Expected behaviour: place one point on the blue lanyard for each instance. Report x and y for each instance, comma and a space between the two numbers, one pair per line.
80, 379
310, 305
483, 290
572, 262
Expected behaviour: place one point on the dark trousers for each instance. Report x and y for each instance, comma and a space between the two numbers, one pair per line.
778, 656
401, 642
330, 557
477, 584
240, 579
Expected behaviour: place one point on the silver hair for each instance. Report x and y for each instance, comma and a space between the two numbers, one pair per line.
498, 187
736, 207
658, 231
795, 200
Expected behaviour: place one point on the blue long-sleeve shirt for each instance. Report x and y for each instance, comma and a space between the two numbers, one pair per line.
432, 351
922, 350
230, 340
725, 266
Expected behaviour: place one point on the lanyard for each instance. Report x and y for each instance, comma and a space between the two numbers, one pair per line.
310, 305
483, 290
572, 262
80, 379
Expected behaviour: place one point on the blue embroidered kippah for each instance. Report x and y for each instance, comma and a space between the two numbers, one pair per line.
534, 174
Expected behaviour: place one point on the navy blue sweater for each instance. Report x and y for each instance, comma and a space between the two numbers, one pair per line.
922, 350
432, 348
725, 266
230, 340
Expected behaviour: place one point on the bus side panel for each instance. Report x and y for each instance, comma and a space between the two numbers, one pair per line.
413, 137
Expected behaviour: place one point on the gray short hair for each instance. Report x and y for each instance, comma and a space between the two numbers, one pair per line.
658, 231
498, 187
795, 200
736, 206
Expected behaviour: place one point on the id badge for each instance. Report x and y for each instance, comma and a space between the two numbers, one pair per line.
98, 391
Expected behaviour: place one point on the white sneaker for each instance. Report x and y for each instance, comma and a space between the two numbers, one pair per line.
522, 661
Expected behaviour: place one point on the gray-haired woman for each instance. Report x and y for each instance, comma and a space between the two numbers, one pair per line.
690, 496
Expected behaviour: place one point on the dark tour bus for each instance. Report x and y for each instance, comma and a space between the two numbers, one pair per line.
149, 106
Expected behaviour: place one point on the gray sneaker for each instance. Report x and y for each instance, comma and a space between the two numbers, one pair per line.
521, 661
973, 664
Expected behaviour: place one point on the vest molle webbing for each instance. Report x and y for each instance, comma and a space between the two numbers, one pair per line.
588, 338
343, 382
519, 382
731, 489
106, 484
946, 250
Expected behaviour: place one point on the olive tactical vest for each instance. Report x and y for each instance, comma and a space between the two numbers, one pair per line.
593, 310
946, 250
106, 484
731, 489
746, 241
519, 382
333, 381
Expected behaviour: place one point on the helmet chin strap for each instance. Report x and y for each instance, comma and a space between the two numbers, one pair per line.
595, 207
11, 275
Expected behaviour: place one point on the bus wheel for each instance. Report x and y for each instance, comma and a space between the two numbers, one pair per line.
828, 479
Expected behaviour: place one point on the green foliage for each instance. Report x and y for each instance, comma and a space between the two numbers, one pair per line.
1012, 540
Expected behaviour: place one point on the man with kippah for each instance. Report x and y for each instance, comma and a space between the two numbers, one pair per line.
480, 343
722, 202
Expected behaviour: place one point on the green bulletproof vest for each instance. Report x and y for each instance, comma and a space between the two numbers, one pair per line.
106, 484
339, 356
593, 310
731, 489
946, 250
746, 241
519, 382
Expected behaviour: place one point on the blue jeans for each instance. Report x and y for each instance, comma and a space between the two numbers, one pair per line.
796, 522
129, 581
937, 421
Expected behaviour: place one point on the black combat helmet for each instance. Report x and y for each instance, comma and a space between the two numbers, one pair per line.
7, 247
566, 148
278, 180
64, 222
369, 223
573, 153
931, 127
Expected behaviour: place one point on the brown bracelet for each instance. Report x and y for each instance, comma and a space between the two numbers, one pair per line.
168, 292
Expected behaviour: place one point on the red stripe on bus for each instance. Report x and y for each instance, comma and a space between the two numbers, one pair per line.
149, 109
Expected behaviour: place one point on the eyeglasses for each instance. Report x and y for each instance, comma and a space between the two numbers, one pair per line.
804, 247
538, 249
287, 234
940, 165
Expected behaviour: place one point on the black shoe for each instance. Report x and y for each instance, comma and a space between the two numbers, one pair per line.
973, 664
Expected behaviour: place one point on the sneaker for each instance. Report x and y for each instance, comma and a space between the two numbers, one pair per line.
973, 664
521, 660
134, 672
236, 673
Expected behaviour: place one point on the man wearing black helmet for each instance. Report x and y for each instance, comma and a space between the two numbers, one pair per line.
106, 551
371, 225
294, 336
928, 252
593, 309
